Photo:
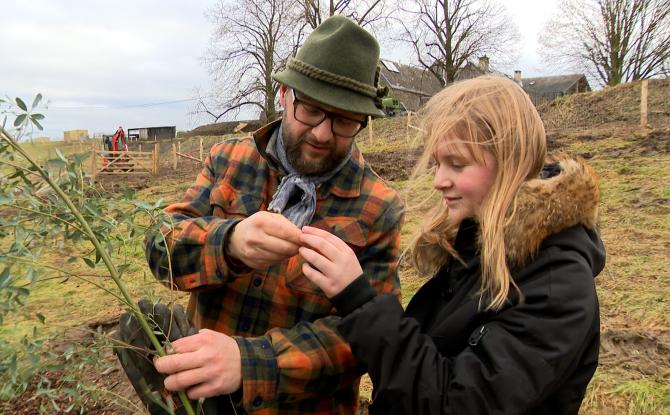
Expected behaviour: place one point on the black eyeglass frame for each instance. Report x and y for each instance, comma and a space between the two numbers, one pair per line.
325, 114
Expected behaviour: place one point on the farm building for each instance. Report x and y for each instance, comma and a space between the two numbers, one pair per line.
472, 70
152, 133
40, 140
540, 89
411, 85
75, 136
547, 88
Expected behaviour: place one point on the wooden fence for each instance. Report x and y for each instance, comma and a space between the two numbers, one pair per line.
124, 163
178, 154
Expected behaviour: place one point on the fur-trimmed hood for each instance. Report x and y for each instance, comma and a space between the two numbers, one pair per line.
566, 195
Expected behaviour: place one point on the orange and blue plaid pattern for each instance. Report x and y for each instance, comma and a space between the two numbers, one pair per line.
293, 359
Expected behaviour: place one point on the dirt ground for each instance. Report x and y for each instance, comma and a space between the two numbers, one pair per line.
644, 352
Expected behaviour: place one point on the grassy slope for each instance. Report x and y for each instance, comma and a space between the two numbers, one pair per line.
635, 368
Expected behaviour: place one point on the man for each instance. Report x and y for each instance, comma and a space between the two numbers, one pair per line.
268, 335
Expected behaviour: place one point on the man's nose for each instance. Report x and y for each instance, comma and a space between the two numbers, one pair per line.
324, 131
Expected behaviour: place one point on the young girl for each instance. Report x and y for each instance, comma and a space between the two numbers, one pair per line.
509, 323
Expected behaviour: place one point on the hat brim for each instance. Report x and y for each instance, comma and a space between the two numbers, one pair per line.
341, 98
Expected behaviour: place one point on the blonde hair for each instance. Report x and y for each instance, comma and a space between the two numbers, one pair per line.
487, 114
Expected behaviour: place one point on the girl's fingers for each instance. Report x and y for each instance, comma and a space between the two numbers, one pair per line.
319, 279
334, 240
316, 260
320, 245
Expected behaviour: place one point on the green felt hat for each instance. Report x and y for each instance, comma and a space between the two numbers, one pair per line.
338, 66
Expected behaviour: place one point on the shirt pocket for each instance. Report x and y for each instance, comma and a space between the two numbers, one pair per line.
226, 201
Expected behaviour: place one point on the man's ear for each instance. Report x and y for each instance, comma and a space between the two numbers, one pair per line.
283, 89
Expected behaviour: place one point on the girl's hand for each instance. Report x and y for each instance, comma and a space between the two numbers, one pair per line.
332, 265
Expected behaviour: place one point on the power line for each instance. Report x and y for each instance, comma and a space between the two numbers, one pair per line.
102, 107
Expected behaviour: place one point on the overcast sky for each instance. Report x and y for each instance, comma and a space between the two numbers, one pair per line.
134, 63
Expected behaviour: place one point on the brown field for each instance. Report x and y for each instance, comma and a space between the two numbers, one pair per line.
634, 290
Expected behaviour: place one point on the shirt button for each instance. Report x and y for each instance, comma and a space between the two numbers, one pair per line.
257, 282
257, 401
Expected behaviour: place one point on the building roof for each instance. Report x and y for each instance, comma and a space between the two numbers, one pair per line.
405, 78
550, 84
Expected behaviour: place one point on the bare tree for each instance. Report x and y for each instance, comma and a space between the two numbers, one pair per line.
363, 12
445, 35
613, 41
251, 40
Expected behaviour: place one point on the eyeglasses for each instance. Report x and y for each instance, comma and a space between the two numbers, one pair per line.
312, 115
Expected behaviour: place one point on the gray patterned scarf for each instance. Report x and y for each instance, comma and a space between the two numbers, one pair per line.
301, 212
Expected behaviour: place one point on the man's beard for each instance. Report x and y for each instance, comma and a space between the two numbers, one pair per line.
312, 167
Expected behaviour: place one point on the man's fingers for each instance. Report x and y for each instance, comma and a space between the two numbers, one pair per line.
186, 379
279, 247
187, 344
276, 225
179, 362
203, 390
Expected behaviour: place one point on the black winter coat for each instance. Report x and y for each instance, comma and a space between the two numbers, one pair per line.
445, 355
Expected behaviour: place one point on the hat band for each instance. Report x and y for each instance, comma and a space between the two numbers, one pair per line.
313, 72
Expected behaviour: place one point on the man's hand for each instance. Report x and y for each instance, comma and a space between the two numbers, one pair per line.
264, 239
331, 263
135, 352
206, 364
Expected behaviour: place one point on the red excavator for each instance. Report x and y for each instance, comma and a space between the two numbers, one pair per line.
116, 142
115, 145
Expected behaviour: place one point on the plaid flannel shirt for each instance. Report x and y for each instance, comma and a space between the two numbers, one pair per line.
293, 359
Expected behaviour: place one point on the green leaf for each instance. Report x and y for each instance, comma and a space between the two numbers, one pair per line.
5, 278
70, 391
56, 163
32, 275
20, 119
89, 262
38, 125
6, 199
60, 155
21, 104
37, 116
37, 100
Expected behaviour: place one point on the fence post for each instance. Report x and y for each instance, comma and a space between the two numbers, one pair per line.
409, 117
94, 156
157, 151
643, 104
370, 134
201, 152
174, 156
